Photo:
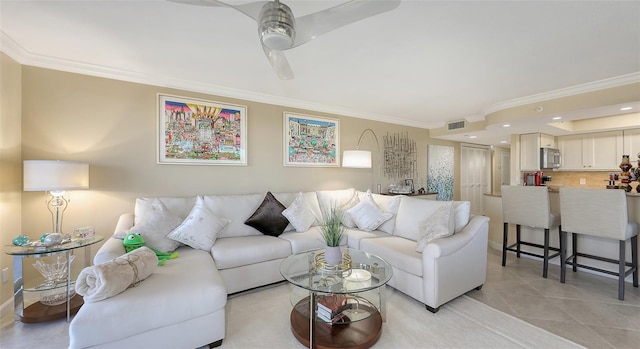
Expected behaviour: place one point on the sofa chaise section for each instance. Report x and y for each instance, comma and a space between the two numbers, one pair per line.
181, 305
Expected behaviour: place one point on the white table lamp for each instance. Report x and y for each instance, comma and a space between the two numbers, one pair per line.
55, 177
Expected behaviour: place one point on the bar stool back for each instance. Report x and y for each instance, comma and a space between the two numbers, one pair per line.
528, 206
602, 213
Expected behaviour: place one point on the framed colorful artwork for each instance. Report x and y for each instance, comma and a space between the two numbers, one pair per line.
311, 141
198, 132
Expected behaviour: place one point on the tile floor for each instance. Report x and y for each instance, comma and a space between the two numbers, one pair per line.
585, 309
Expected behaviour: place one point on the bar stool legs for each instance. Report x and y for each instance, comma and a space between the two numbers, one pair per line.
505, 233
634, 259
545, 258
516, 247
622, 263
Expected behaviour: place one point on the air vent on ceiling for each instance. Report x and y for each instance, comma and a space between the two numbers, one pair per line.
456, 125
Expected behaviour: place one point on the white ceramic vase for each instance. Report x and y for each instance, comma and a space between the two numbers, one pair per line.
333, 255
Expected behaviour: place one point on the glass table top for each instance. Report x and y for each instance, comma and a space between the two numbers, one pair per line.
307, 271
38, 250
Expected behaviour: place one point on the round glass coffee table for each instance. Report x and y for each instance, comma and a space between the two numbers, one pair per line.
337, 306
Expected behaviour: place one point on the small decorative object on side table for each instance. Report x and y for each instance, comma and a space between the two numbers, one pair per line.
49, 293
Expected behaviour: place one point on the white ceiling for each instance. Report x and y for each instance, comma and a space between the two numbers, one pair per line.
422, 64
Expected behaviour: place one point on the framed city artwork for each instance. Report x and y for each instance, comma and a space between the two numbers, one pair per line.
311, 141
198, 132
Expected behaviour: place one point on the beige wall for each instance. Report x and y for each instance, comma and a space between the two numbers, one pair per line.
10, 163
112, 125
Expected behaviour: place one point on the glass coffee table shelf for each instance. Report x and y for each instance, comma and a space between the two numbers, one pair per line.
362, 286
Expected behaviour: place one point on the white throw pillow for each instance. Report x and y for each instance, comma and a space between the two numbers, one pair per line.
347, 221
388, 204
201, 228
461, 211
299, 215
367, 215
155, 225
334, 199
435, 227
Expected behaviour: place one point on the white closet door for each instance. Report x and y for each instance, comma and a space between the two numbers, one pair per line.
475, 175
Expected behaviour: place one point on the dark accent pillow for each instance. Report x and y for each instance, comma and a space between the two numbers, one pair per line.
268, 218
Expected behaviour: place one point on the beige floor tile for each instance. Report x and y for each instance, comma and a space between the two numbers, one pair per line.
621, 339
573, 331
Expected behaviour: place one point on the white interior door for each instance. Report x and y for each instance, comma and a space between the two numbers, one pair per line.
475, 175
505, 169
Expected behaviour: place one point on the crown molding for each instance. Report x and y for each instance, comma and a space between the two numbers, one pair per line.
566, 92
24, 57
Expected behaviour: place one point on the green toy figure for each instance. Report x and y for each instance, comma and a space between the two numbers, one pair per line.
133, 241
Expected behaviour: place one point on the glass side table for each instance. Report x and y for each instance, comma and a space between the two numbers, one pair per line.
360, 281
39, 312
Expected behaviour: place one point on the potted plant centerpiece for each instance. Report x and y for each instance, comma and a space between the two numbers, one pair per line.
332, 233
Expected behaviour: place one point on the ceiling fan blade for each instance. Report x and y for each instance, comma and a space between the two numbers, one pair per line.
213, 3
315, 24
251, 9
279, 63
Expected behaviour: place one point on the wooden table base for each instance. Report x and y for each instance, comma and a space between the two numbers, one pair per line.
38, 312
355, 335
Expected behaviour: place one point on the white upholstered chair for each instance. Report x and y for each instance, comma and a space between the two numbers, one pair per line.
602, 213
528, 206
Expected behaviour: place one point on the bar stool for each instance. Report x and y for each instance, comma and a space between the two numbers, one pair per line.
602, 213
529, 206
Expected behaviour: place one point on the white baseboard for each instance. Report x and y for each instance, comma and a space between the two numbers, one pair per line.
6, 308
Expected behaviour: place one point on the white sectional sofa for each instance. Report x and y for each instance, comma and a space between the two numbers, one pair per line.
182, 304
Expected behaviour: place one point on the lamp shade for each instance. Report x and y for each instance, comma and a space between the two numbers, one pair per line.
356, 159
46, 175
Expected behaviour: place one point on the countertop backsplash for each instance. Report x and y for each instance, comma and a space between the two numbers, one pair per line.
597, 179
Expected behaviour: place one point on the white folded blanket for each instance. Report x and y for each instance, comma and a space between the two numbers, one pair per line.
101, 281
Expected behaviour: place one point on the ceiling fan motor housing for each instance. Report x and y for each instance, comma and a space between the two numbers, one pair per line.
277, 25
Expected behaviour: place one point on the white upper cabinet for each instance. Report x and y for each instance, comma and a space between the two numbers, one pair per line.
631, 144
547, 141
530, 145
593, 151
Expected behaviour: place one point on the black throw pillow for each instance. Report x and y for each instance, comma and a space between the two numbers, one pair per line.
268, 218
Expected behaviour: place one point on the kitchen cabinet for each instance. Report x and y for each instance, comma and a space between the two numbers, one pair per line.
530, 145
600, 151
547, 141
631, 141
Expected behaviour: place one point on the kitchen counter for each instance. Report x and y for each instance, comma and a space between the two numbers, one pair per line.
557, 190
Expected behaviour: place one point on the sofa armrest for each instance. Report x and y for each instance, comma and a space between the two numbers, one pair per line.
449, 245
455, 264
113, 247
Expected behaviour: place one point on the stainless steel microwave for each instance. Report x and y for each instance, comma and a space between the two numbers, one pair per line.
549, 158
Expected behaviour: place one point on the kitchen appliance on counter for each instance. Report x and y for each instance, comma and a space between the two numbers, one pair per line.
549, 158
535, 179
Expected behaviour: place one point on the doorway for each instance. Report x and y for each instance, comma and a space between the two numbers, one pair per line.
475, 175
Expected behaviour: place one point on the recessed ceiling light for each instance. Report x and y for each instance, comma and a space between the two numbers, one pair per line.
557, 118
626, 108
503, 142
506, 125
473, 136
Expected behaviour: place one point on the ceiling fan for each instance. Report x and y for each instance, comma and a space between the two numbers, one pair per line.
279, 30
